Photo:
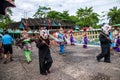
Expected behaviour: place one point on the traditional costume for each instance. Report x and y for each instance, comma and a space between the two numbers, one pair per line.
45, 59
85, 40
62, 42
25, 44
71, 38
117, 45
105, 44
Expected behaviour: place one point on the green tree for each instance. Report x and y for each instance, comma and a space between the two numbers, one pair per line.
87, 17
54, 14
41, 12
114, 15
5, 19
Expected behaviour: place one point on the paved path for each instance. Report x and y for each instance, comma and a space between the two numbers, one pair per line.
78, 64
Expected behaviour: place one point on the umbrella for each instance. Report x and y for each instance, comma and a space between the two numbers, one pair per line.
117, 25
10, 31
1, 35
30, 32
17, 31
76, 27
1, 30
36, 32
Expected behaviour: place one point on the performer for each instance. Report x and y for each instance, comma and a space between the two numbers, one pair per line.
105, 44
85, 38
112, 40
116, 34
45, 59
25, 44
61, 37
71, 38
117, 46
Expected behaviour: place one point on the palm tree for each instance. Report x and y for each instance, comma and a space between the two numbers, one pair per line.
41, 12
114, 15
87, 17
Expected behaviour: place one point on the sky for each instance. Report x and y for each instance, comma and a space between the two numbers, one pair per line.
27, 8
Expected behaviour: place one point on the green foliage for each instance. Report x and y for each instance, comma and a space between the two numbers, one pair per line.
5, 20
114, 15
87, 17
41, 12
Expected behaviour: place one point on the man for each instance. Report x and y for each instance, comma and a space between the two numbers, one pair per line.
105, 44
7, 45
45, 59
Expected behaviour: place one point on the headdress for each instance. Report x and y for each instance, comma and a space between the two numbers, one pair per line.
106, 29
44, 33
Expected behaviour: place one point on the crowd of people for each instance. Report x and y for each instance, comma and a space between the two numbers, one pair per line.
108, 43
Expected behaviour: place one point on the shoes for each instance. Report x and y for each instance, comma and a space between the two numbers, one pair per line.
29, 62
64, 54
5, 62
43, 73
97, 59
107, 61
11, 59
48, 71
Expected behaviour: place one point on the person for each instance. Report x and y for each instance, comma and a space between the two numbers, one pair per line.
71, 38
45, 59
117, 45
112, 41
7, 45
1, 48
105, 44
85, 40
25, 41
62, 41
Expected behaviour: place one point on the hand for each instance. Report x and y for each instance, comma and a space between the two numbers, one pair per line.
112, 40
43, 42
108, 38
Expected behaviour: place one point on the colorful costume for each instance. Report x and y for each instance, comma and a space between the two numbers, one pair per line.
111, 38
117, 46
45, 59
27, 49
105, 44
85, 40
24, 43
61, 37
71, 38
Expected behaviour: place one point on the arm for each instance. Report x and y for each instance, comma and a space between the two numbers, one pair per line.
103, 38
39, 43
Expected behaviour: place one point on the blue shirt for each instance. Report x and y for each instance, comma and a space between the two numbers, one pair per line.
7, 39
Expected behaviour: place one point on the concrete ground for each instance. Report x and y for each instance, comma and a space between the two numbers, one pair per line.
78, 64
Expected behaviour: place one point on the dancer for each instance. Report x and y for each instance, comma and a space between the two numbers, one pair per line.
85, 38
71, 38
105, 44
62, 42
45, 59
24, 43
117, 46
112, 41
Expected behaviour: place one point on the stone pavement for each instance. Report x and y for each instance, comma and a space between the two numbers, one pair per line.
78, 64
